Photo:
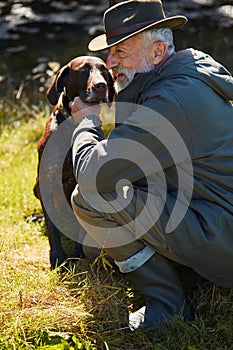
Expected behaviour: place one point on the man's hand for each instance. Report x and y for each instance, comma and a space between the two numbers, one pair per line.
80, 109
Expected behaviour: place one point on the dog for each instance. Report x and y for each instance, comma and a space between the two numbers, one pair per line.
88, 78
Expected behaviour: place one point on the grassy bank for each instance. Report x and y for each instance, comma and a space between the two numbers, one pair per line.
82, 309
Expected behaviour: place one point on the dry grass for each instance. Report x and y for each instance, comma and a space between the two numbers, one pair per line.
86, 307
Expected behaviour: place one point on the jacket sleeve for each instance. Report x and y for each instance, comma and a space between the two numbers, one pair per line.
144, 144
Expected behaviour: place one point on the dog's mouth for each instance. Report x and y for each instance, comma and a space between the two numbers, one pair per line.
94, 97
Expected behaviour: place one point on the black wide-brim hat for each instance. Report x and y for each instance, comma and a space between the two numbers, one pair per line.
131, 17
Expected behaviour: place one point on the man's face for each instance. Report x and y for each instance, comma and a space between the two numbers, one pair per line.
129, 57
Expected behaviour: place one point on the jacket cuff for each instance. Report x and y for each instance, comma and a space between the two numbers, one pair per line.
90, 121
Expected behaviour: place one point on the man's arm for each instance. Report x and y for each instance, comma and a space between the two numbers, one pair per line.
146, 143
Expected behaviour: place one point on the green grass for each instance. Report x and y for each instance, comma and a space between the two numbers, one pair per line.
85, 308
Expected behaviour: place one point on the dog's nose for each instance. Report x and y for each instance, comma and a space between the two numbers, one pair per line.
100, 87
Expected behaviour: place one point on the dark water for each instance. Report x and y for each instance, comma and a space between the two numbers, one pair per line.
34, 33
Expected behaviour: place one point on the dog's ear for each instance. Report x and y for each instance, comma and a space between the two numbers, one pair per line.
58, 84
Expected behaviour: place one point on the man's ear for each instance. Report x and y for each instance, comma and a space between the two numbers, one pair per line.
159, 52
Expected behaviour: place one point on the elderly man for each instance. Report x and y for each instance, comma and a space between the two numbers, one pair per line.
163, 191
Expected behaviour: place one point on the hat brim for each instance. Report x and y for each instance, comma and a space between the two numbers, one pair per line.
101, 42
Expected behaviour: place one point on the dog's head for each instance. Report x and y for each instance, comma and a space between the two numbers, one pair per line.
84, 76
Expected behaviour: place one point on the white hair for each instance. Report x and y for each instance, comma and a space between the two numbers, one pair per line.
161, 34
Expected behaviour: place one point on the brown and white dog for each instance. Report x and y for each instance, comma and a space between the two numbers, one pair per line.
87, 77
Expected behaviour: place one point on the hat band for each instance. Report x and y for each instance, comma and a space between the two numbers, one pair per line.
128, 29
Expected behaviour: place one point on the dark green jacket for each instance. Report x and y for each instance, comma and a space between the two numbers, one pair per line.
192, 92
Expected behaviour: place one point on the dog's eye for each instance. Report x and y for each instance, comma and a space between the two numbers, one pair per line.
83, 70
104, 69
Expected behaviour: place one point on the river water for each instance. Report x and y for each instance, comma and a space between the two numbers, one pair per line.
35, 33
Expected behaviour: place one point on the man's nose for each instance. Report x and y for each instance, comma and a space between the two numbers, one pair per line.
111, 61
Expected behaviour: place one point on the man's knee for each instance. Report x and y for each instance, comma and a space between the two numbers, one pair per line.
82, 210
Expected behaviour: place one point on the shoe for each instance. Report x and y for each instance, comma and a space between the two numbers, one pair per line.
158, 280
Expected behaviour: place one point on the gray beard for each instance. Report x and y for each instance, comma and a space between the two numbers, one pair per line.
130, 76
122, 85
